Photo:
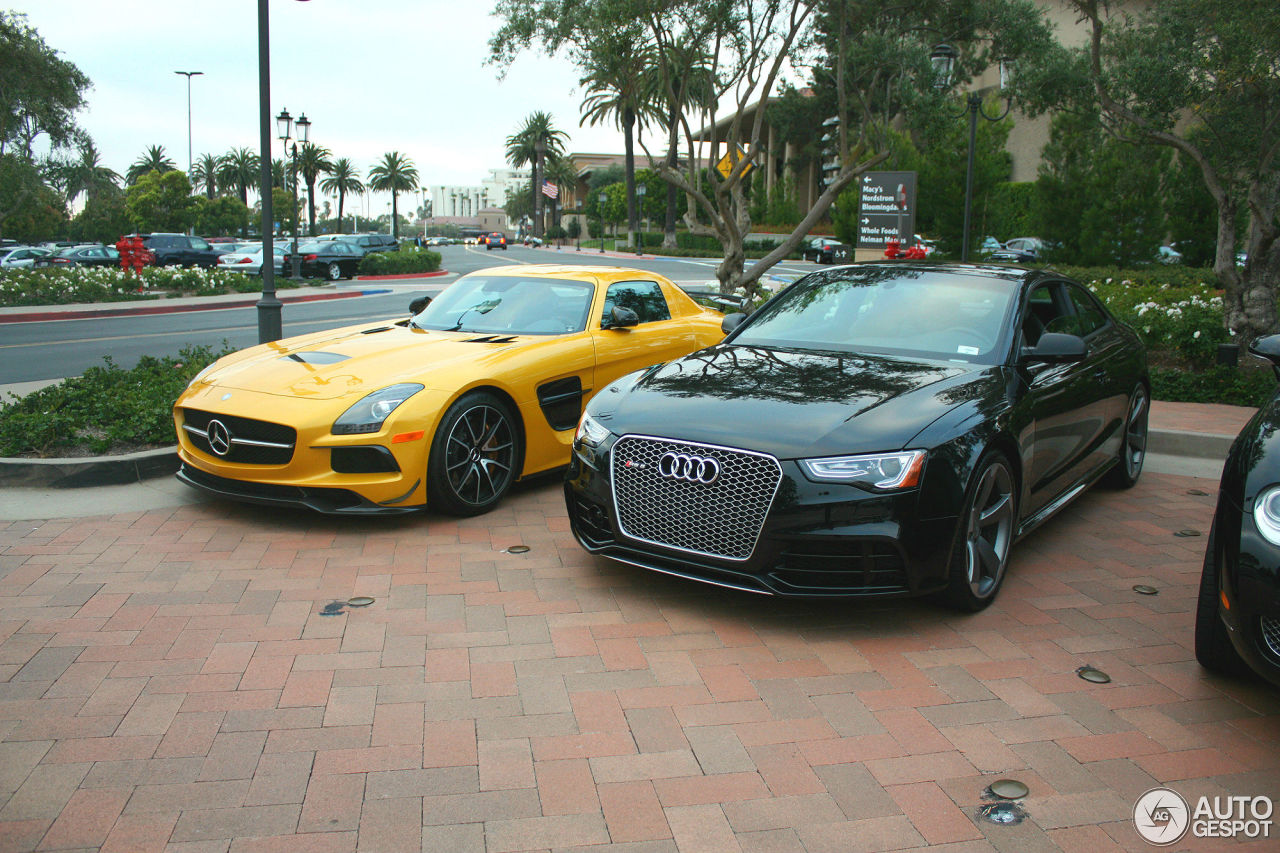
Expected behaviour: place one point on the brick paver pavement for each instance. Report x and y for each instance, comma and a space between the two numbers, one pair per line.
189, 680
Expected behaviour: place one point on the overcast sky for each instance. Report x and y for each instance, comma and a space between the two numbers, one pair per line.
372, 76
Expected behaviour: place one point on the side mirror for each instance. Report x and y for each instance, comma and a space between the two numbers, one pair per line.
621, 317
732, 321
416, 306
1268, 348
1056, 348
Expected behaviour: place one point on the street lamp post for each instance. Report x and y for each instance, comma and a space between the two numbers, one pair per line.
578, 240
189, 75
270, 326
943, 59
641, 189
602, 198
284, 129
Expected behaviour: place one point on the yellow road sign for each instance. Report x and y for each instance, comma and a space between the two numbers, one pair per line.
725, 166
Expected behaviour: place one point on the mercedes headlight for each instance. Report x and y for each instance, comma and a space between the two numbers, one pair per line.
1266, 514
884, 471
590, 432
368, 414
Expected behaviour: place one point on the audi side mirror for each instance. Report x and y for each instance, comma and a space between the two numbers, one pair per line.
732, 321
1268, 348
621, 317
1056, 348
416, 306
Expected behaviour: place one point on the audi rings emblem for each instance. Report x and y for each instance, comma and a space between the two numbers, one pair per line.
219, 437
691, 469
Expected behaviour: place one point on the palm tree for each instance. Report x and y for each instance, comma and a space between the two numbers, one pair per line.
204, 173
618, 88
238, 170
530, 145
312, 161
560, 171
342, 179
87, 175
153, 160
686, 79
395, 174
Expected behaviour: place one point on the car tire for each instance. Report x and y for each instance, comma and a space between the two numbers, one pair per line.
1213, 644
984, 535
475, 455
334, 271
1133, 443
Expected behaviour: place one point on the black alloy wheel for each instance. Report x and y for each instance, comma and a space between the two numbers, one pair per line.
1133, 447
334, 271
988, 522
1213, 645
473, 456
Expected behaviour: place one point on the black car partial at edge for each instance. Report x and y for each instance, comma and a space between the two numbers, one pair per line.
1238, 608
878, 429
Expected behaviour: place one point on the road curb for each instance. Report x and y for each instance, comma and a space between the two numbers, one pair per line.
134, 467
163, 307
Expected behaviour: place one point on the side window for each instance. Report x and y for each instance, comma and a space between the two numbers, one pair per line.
1048, 310
643, 297
199, 243
1088, 312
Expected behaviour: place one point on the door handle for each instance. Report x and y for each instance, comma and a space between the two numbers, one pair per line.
1100, 373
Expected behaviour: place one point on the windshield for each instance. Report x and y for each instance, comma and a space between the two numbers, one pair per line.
509, 305
909, 313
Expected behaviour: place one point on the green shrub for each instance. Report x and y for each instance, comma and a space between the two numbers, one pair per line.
106, 409
110, 284
409, 259
1216, 384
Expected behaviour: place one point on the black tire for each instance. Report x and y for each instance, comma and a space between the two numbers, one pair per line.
334, 271
475, 455
1133, 448
1213, 645
984, 535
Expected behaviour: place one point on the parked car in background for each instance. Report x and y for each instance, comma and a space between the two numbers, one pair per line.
1238, 608
820, 250
873, 430
496, 240
448, 408
19, 257
181, 250
247, 258
367, 243
1168, 255
81, 256
991, 244
1021, 250
331, 259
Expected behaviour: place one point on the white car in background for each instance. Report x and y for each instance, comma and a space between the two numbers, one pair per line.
248, 259
19, 257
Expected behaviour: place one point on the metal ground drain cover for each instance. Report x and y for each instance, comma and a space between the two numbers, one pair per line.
360, 601
518, 549
1197, 492
1144, 589
1187, 533
1008, 789
1097, 676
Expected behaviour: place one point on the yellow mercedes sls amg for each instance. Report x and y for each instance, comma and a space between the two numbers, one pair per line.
482, 386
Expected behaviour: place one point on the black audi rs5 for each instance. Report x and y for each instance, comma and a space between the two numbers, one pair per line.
873, 430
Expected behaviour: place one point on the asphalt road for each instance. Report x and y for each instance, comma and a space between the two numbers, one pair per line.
36, 351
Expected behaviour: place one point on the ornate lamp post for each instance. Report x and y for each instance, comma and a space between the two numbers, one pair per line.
284, 129
602, 198
943, 59
641, 189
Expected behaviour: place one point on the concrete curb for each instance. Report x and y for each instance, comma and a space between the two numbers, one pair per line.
134, 467
163, 307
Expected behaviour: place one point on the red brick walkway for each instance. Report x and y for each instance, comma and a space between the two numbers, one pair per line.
171, 681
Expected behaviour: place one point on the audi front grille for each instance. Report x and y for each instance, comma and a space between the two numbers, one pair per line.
697, 498
241, 440
1271, 634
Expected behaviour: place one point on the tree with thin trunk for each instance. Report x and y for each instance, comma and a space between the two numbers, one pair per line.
559, 171
343, 179
536, 139
313, 161
238, 170
87, 174
204, 174
395, 174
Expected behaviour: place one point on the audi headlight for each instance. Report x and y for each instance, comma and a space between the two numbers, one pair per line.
368, 414
885, 471
590, 432
1266, 514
